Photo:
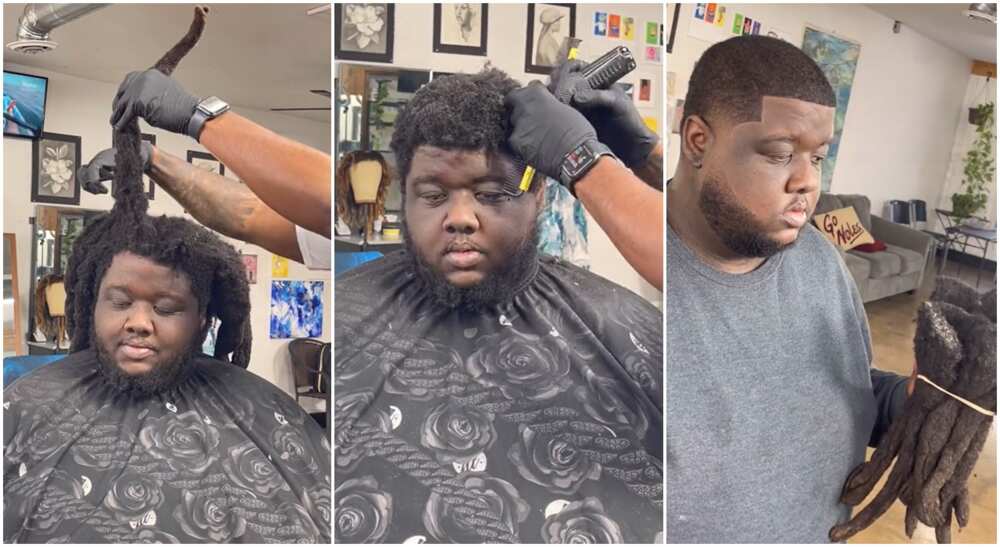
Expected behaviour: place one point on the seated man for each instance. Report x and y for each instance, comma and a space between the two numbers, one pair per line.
137, 437
772, 398
484, 392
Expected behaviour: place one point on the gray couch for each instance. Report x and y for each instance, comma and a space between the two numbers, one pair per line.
900, 268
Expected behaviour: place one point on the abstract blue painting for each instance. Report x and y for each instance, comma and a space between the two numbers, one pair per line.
296, 309
839, 60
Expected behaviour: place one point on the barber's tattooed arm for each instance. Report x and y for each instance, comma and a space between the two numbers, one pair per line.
651, 170
224, 205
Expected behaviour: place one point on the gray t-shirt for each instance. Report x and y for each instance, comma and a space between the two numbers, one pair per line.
770, 396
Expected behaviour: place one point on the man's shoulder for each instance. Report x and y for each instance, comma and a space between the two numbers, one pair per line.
375, 273
597, 289
50, 380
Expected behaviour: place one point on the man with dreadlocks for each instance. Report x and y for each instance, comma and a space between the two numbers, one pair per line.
772, 398
137, 437
485, 393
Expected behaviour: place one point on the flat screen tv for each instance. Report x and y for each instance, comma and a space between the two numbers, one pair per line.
24, 104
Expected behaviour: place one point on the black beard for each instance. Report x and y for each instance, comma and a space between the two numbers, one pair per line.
734, 224
499, 286
161, 379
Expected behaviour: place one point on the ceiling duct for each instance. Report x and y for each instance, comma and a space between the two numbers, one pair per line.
982, 12
38, 20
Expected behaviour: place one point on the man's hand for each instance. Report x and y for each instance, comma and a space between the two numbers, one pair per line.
102, 167
610, 111
156, 98
544, 130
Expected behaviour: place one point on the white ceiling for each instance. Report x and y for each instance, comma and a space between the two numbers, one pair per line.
945, 24
252, 55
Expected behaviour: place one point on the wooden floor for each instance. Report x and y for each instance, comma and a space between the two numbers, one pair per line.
892, 326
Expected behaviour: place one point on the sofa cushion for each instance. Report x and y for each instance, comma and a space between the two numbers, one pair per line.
827, 203
862, 206
859, 267
912, 261
882, 264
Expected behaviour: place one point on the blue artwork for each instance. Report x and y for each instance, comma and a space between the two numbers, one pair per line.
296, 309
839, 60
562, 226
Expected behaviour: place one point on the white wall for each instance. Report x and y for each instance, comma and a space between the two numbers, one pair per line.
977, 92
905, 101
505, 50
82, 107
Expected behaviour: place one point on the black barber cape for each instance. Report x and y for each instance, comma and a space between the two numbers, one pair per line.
226, 458
539, 421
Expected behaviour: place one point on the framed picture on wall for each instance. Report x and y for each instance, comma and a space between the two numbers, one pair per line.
364, 32
250, 264
461, 28
54, 161
548, 27
148, 182
206, 161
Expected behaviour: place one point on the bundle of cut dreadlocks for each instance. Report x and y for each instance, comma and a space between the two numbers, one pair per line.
937, 440
214, 268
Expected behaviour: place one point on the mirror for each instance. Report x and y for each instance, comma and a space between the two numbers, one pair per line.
13, 342
54, 230
368, 101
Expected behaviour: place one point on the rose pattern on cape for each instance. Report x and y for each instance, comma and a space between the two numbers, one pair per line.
150, 536
209, 517
299, 526
351, 409
249, 468
423, 372
227, 412
583, 522
610, 402
363, 511
551, 461
282, 404
184, 441
134, 494
49, 510
521, 366
641, 367
294, 450
35, 444
456, 433
449, 524
317, 501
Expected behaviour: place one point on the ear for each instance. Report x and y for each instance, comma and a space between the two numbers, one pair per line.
696, 137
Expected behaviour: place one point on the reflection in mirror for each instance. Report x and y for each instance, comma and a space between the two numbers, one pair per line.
54, 231
13, 343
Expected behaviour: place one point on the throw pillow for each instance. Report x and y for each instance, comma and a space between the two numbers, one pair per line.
876, 247
843, 228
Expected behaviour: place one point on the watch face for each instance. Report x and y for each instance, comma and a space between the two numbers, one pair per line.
213, 106
576, 161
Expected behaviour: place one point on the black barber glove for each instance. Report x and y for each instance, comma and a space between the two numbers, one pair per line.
156, 98
102, 167
547, 134
610, 111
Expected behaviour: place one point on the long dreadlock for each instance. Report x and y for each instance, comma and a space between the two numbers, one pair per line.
213, 266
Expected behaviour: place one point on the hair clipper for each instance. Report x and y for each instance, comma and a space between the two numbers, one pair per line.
600, 74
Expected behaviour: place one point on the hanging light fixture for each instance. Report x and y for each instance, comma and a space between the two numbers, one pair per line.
982, 12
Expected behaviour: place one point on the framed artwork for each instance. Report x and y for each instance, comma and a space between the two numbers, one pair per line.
54, 161
461, 28
675, 12
296, 309
206, 161
148, 182
548, 26
364, 32
250, 264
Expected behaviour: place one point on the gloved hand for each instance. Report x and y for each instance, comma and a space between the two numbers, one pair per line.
156, 98
610, 111
544, 131
102, 167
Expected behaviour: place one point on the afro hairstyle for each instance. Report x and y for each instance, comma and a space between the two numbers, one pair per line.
457, 112
732, 77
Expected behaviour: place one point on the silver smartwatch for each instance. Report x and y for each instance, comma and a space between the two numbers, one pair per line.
207, 109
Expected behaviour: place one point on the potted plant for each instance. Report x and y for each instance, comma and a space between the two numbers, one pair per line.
979, 166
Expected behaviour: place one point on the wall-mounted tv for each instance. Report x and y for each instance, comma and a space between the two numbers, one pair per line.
24, 104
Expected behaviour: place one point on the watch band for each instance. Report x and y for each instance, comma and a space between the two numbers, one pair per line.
207, 109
